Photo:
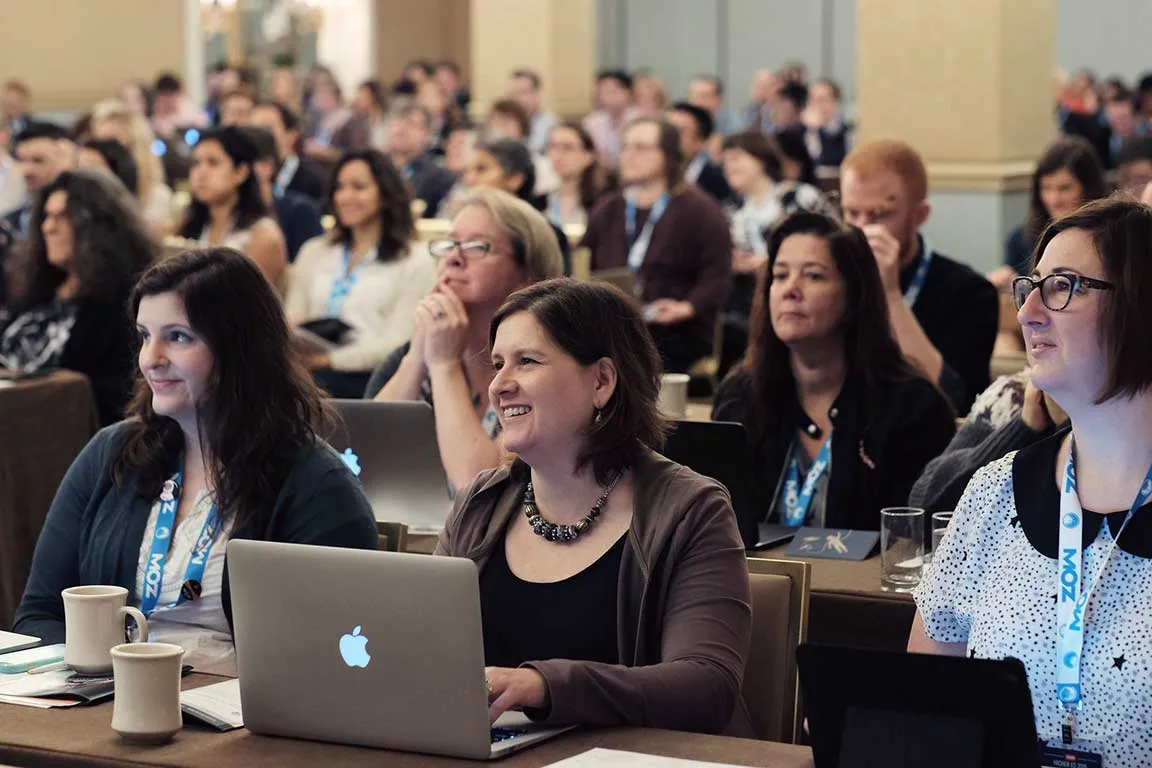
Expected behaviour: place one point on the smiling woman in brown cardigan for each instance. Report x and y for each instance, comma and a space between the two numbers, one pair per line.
613, 582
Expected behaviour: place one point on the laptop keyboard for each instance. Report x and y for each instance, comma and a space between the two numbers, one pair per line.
504, 734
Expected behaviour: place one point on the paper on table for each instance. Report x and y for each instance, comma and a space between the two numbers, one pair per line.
599, 758
37, 702
24, 684
217, 705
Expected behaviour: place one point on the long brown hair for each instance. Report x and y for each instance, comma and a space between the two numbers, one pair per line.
1072, 154
596, 179
110, 243
871, 351
260, 409
397, 227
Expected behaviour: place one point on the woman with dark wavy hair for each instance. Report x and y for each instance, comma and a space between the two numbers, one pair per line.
227, 209
86, 246
221, 443
369, 274
839, 422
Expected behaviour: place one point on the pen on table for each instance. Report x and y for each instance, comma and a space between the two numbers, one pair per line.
54, 666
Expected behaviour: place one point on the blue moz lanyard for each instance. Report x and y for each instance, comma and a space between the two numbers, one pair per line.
161, 542
798, 499
1074, 591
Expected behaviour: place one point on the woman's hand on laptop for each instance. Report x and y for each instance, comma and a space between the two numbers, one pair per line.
521, 688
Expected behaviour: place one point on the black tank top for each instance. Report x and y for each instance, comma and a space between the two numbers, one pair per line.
570, 619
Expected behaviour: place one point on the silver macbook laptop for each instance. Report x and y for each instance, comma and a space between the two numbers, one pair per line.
378, 649
394, 446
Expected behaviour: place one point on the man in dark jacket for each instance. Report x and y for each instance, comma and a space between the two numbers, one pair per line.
696, 127
410, 138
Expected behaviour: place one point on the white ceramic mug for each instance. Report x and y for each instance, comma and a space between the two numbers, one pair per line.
94, 623
673, 401
146, 708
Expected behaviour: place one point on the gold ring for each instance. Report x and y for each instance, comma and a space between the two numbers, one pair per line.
488, 684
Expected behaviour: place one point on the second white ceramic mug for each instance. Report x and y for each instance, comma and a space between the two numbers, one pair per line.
146, 707
94, 623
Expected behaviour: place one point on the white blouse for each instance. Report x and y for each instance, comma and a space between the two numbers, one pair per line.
992, 589
198, 626
380, 304
755, 217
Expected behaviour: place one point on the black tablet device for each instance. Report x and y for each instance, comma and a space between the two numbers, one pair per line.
867, 709
719, 450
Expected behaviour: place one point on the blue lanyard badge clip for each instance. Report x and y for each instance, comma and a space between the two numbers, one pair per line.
285, 176
192, 585
342, 285
1074, 592
797, 499
638, 245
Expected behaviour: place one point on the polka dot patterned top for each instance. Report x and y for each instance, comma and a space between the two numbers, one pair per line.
992, 586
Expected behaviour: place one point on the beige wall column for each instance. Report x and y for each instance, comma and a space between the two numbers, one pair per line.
421, 29
557, 38
970, 85
72, 53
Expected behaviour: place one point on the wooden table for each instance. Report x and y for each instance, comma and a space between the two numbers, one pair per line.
847, 606
44, 423
82, 736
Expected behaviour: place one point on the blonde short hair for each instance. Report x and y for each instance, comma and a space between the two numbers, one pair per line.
892, 155
532, 236
148, 166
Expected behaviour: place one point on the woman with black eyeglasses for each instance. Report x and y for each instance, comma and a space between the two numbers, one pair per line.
1049, 556
497, 244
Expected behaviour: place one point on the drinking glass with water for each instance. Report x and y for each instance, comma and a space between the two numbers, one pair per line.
901, 548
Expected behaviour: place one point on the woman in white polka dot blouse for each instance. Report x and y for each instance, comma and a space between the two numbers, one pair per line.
1049, 557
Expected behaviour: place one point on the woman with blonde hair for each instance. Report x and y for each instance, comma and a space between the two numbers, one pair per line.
497, 245
113, 119
651, 95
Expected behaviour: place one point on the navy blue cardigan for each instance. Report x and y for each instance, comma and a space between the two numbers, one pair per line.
93, 533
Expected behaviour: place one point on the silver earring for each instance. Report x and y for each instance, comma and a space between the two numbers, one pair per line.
599, 415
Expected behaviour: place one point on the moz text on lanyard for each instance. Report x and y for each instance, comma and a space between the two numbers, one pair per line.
161, 542
797, 498
1074, 591
638, 245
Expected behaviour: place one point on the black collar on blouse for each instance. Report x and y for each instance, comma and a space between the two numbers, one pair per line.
1038, 505
795, 417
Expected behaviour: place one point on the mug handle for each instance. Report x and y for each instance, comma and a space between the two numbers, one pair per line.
141, 622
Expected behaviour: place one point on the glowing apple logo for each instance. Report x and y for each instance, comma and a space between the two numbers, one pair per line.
352, 461
354, 649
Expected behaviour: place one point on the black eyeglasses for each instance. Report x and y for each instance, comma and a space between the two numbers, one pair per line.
473, 249
1056, 290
